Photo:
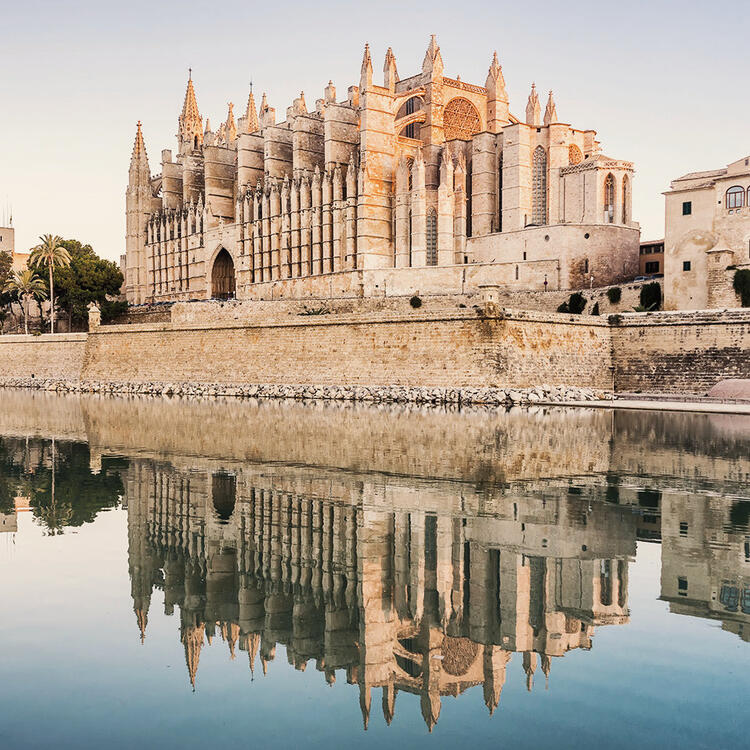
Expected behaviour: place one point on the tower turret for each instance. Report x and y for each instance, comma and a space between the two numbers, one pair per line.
365, 78
138, 200
550, 113
252, 124
498, 112
533, 109
433, 60
190, 122
390, 71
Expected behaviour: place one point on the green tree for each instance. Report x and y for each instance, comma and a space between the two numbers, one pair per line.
25, 285
87, 279
651, 296
52, 254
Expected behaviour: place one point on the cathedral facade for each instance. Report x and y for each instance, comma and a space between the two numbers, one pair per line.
422, 184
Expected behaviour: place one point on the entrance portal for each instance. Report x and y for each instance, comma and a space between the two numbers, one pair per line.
222, 276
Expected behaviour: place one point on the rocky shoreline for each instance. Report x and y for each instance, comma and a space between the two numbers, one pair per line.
376, 394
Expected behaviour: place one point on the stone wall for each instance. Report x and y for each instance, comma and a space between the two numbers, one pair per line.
459, 349
686, 352
439, 345
46, 356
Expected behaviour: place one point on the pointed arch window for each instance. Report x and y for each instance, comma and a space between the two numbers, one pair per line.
500, 193
609, 199
574, 155
735, 197
539, 187
625, 198
432, 256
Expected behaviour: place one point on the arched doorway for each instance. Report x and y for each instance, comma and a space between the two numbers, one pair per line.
222, 276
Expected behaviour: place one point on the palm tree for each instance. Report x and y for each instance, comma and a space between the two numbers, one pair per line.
50, 252
25, 285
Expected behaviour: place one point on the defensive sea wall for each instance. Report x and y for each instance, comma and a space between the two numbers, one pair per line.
450, 347
679, 352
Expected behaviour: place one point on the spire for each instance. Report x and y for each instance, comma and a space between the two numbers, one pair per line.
142, 618
139, 169
230, 125
193, 642
433, 60
550, 114
252, 124
390, 71
365, 78
365, 699
533, 108
190, 122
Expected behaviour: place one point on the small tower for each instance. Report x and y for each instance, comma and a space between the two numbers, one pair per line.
230, 127
498, 111
138, 198
433, 60
252, 124
550, 113
533, 109
190, 122
390, 72
365, 78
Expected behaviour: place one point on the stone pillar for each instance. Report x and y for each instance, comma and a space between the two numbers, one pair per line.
327, 204
446, 199
95, 316
483, 184
402, 239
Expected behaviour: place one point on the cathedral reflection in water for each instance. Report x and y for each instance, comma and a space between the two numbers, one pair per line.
393, 591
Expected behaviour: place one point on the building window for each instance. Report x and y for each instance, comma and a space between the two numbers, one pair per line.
574, 155
586, 265
609, 199
432, 257
686, 265
687, 208
652, 266
735, 197
682, 586
683, 528
539, 187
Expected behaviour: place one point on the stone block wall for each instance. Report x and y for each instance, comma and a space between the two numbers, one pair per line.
673, 352
47, 356
460, 349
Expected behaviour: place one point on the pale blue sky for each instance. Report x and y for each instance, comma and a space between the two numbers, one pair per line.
665, 83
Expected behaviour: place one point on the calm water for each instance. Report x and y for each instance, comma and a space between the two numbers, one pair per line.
196, 574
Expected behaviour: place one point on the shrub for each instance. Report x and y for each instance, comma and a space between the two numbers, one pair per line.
595, 309
574, 305
741, 285
415, 302
651, 296
614, 294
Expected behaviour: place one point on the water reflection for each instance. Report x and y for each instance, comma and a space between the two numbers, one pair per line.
403, 550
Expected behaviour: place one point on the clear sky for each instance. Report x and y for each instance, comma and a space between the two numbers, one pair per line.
664, 82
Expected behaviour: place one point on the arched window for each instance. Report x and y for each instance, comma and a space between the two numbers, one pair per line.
609, 198
432, 257
574, 154
500, 193
605, 582
411, 130
625, 198
469, 203
735, 197
410, 237
539, 187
